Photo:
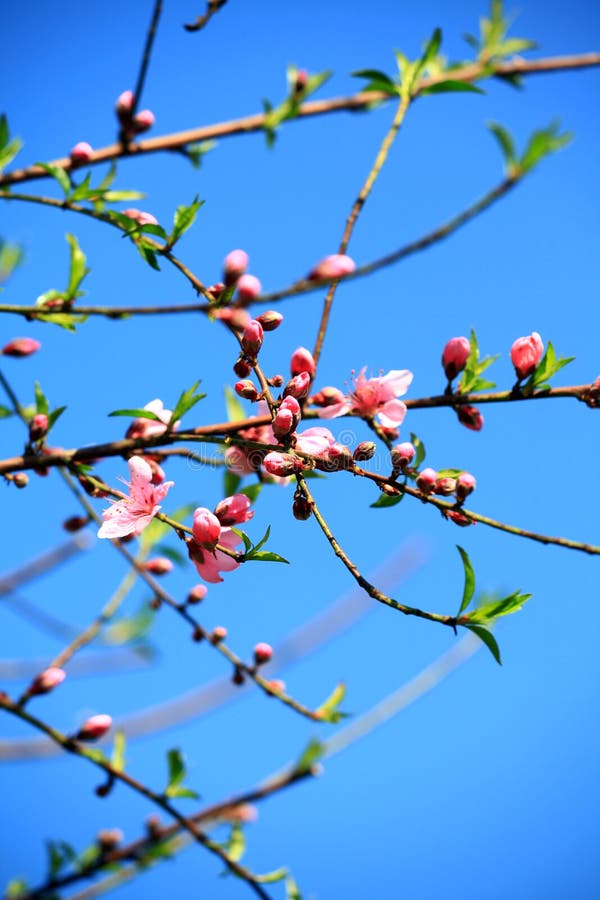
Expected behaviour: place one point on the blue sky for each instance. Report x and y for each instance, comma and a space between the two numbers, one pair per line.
488, 786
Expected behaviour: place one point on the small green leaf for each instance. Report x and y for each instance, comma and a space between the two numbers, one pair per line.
4, 131
431, 50
87, 857
183, 219
548, 366
497, 608
420, 448
231, 482
313, 752
252, 491
5, 412
148, 253
136, 413
195, 152
187, 400
506, 144
384, 501
179, 791
176, 764
15, 888
374, 75
11, 256
469, 588
247, 542
541, 143
118, 754
119, 196
9, 151
60, 854
59, 174
77, 269
41, 402
449, 86
54, 415
292, 891
235, 410
264, 539
488, 639
328, 711
83, 190
236, 843
272, 877
266, 556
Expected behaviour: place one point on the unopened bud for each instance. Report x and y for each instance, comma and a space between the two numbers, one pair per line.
248, 287
335, 457
124, 106
458, 518
470, 417
303, 361
465, 485
94, 728
426, 480
21, 479
262, 653
252, 338
159, 565
301, 81
142, 121
335, 266
234, 266
197, 634
21, 347
242, 368
197, 594
275, 381
46, 681
238, 676
215, 290
81, 152
109, 838
270, 320
206, 528
445, 486
455, 356
302, 507
298, 386
75, 523
283, 464
38, 427
402, 456
219, 634
139, 216
525, 353
247, 390
234, 510
287, 417
365, 450
592, 395
277, 685
328, 396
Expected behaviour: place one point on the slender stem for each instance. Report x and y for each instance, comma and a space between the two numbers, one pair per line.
252, 123
212, 7
150, 37
12, 397
73, 746
357, 206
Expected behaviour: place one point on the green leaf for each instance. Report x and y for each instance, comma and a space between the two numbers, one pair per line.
313, 752
252, 491
9, 151
231, 482
148, 253
15, 888
136, 413
59, 174
542, 143
11, 256
292, 891
235, 410
247, 542
236, 843
183, 219
118, 754
187, 400
65, 320
272, 877
328, 711
449, 473
469, 588
179, 791
548, 366
157, 230
431, 50
5, 412
54, 415
176, 766
88, 857
375, 75
60, 854
514, 45
77, 269
488, 639
83, 190
195, 152
41, 402
129, 629
420, 448
506, 144
119, 196
474, 367
264, 539
266, 556
384, 501
4, 131
451, 85
497, 608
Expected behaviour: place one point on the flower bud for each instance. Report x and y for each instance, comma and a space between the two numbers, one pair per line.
445, 486
238, 676
234, 510
298, 386
303, 361
270, 320
252, 338
197, 594
426, 480
81, 152
206, 528
109, 839
470, 417
46, 681
455, 356
283, 464
525, 353
234, 266
275, 381
246, 390
465, 485
262, 653
94, 728
75, 523
458, 518
21, 347
335, 266
328, 396
277, 685
142, 121
248, 287
242, 368
301, 507
142, 218
365, 450
21, 479
233, 316
215, 290
402, 456
301, 81
38, 427
124, 105
335, 457
287, 417
158, 565
219, 634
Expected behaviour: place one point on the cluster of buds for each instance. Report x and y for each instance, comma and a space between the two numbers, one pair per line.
132, 124
431, 482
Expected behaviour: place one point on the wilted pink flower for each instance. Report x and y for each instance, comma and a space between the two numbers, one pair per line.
302, 361
262, 653
402, 455
150, 427
375, 397
426, 480
210, 563
46, 681
298, 386
234, 265
142, 218
94, 727
206, 528
470, 417
270, 320
21, 347
234, 510
248, 287
455, 356
334, 266
81, 152
130, 515
525, 354
158, 565
252, 338
142, 121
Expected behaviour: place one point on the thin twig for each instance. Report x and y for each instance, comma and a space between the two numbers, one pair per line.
212, 7
146, 55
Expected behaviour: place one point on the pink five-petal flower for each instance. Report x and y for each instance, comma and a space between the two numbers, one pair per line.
130, 515
210, 563
375, 397
315, 441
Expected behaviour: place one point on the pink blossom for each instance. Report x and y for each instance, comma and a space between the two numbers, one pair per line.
525, 354
234, 510
81, 152
303, 361
375, 397
334, 266
315, 441
248, 287
150, 427
206, 528
210, 563
455, 356
402, 455
142, 218
130, 515
426, 480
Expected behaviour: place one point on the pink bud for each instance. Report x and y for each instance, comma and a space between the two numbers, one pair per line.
124, 104
262, 653
287, 417
215, 290
94, 727
242, 368
234, 510
158, 565
364, 451
302, 361
21, 347
335, 457
219, 634
233, 316
142, 218
465, 485
246, 390
445, 486
335, 266
253, 337
81, 152
458, 518
470, 417
142, 121
525, 354
46, 681
298, 386
38, 427
109, 838
402, 456
20, 479
234, 265
455, 356
197, 593
75, 523
248, 287
283, 464
328, 396
426, 480
206, 528
270, 320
